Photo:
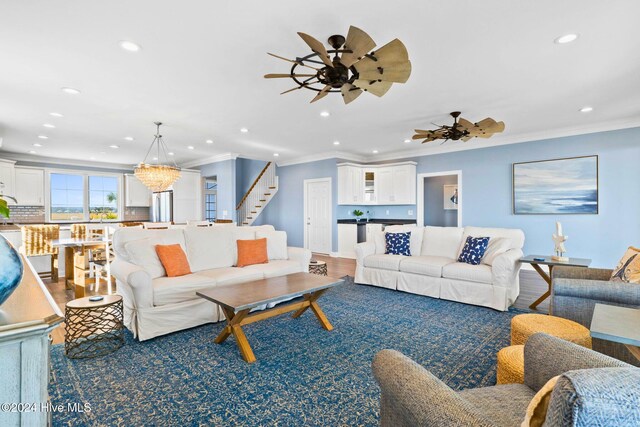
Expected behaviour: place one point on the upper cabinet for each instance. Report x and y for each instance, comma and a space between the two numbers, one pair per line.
390, 184
7, 179
29, 186
136, 193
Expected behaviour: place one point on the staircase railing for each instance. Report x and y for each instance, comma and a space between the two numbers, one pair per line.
259, 195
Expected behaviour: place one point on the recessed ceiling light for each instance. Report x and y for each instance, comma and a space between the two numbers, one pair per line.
276, 155
244, 130
70, 90
375, 151
406, 141
114, 146
49, 125
103, 152
191, 147
155, 158
32, 152
567, 38
336, 142
43, 137
129, 138
586, 109
37, 145
170, 153
56, 114
92, 158
129, 46
325, 114
209, 141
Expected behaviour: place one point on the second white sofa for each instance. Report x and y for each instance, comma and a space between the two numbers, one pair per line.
433, 269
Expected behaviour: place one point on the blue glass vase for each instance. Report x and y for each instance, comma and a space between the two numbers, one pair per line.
11, 269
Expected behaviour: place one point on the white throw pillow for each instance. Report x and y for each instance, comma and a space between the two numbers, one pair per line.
497, 246
380, 242
143, 253
442, 241
276, 243
210, 247
415, 243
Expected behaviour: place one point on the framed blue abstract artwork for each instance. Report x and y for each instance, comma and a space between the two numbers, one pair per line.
555, 187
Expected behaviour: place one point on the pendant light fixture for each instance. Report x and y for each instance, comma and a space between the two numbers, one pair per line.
157, 176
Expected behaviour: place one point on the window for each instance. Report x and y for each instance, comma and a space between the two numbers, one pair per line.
78, 196
210, 194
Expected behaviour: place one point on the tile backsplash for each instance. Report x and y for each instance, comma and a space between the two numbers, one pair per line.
35, 214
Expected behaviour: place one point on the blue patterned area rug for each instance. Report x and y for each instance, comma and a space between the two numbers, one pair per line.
304, 375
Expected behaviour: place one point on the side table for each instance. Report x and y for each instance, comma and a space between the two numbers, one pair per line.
318, 267
537, 260
93, 328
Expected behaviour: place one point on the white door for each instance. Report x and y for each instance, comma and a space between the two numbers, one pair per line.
318, 215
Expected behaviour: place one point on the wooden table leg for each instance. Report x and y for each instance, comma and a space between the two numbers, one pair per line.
547, 278
313, 304
233, 327
68, 267
635, 351
308, 297
321, 316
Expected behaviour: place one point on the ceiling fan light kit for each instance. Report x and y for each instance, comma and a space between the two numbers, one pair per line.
462, 129
350, 67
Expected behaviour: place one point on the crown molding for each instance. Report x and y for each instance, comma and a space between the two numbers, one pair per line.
324, 156
207, 160
43, 160
515, 139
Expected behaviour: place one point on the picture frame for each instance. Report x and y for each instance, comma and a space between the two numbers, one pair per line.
450, 192
563, 186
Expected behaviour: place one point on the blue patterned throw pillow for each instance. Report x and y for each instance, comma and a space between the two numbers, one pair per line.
474, 249
398, 243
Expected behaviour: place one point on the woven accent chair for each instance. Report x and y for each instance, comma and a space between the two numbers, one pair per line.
130, 224
593, 389
78, 231
36, 241
575, 292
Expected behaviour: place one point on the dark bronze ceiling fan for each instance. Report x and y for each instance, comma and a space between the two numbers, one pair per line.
462, 129
354, 67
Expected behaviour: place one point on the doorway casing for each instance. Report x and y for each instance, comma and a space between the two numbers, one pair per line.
420, 198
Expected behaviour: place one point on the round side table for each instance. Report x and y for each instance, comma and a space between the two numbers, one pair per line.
318, 267
93, 328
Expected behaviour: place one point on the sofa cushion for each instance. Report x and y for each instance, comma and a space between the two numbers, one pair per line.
124, 235
425, 265
233, 275
275, 268
416, 235
276, 243
171, 290
251, 252
398, 243
442, 241
497, 246
515, 236
504, 405
210, 247
470, 273
384, 262
473, 250
143, 253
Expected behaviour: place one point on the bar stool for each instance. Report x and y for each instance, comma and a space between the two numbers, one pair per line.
36, 241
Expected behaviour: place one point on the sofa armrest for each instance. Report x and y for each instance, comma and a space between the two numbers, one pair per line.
301, 256
134, 284
505, 268
412, 396
583, 273
546, 357
363, 250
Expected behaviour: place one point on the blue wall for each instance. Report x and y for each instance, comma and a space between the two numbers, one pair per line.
225, 172
247, 170
486, 194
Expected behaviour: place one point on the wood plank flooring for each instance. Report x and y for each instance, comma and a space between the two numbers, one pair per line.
531, 287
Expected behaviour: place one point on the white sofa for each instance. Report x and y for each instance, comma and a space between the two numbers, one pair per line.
433, 270
156, 305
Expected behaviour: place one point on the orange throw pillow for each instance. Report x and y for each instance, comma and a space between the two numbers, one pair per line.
252, 252
173, 260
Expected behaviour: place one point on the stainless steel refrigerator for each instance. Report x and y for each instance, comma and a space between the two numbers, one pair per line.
162, 207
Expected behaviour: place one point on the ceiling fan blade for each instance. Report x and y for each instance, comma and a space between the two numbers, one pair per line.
465, 124
324, 92
359, 43
349, 92
466, 138
391, 64
293, 61
318, 48
291, 90
377, 88
421, 136
280, 76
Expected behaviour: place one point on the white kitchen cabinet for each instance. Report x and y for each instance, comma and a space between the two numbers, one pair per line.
29, 184
7, 179
187, 197
136, 193
371, 231
350, 185
390, 184
347, 240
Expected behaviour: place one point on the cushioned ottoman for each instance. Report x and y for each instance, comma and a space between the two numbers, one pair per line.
511, 365
525, 325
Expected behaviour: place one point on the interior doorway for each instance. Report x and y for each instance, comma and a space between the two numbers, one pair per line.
440, 199
318, 215
210, 194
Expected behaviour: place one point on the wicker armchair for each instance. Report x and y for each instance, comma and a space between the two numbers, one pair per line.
36, 241
576, 291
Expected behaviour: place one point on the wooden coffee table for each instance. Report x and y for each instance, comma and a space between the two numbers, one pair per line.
238, 300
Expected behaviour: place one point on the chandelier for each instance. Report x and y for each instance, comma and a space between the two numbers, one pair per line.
157, 177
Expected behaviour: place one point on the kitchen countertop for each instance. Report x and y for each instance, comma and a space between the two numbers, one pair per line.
4, 228
378, 221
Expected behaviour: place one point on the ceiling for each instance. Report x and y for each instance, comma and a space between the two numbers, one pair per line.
201, 65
